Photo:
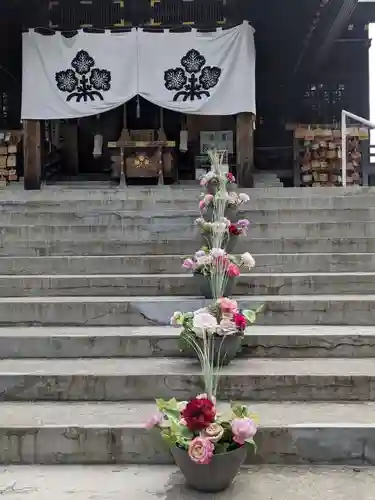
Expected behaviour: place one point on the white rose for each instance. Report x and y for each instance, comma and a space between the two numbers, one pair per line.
244, 198
248, 260
204, 260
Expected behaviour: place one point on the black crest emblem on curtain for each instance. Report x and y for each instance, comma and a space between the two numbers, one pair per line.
193, 80
83, 82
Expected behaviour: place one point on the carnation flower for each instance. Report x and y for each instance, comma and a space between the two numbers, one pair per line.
200, 253
243, 429
176, 319
155, 420
244, 198
231, 178
217, 252
208, 199
233, 271
248, 260
227, 306
204, 322
214, 432
234, 230
240, 321
201, 450
188, 264
199, 414
244, 223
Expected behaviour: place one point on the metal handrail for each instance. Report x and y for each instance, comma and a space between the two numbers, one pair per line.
344, 116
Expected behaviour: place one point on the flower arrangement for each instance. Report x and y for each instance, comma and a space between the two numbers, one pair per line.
204, 331
196, 432
197, 427
208, 261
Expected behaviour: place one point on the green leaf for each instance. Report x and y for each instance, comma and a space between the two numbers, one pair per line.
169, 408
250, 316
239, 410
252, 444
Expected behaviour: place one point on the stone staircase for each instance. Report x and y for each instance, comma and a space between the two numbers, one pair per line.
89, 280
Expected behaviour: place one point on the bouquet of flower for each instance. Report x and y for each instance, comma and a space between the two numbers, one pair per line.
205, 330
198, 428
210, 261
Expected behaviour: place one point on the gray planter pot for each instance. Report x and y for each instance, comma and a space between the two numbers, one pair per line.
216, 476
230, 213
229, 243
225, 349
205, 287
211, 187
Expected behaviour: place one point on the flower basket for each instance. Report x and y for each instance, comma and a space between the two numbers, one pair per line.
224, 349
205, 286
213, 477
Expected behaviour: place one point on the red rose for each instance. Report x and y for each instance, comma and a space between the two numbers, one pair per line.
233, 229
231, 177
199, 414
240, 321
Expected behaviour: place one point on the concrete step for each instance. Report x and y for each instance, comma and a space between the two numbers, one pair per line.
144, 264
185, 214
113, 482
145, 311
114, 379
168, 229
153, 341
107, 433
128, 285
104, 247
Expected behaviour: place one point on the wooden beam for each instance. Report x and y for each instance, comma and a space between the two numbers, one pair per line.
336, 29
32, 154
245, 149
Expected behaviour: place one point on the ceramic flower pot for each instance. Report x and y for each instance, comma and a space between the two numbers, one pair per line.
212, 187
203, 282
224, 349
216, 476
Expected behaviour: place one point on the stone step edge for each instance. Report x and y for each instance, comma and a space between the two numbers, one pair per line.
169, 332
146, 482
251, 299
186, 275
135, 414
184, 367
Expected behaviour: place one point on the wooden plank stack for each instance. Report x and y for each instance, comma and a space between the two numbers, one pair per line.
10, 145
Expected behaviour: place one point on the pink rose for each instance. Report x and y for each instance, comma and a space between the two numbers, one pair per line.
228, 306
243, 429
233, 270
201, 450
155, 421
188, 264
202, 205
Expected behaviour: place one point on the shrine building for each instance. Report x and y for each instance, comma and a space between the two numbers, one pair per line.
134, 92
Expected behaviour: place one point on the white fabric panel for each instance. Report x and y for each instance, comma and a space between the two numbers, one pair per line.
80, 76
199, 73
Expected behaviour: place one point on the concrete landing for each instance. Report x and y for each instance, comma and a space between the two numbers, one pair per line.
166, 483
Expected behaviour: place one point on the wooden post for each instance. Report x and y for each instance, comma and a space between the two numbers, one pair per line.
245, 149
32, 154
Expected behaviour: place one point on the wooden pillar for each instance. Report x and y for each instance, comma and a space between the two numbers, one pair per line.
245, 149
32, 154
